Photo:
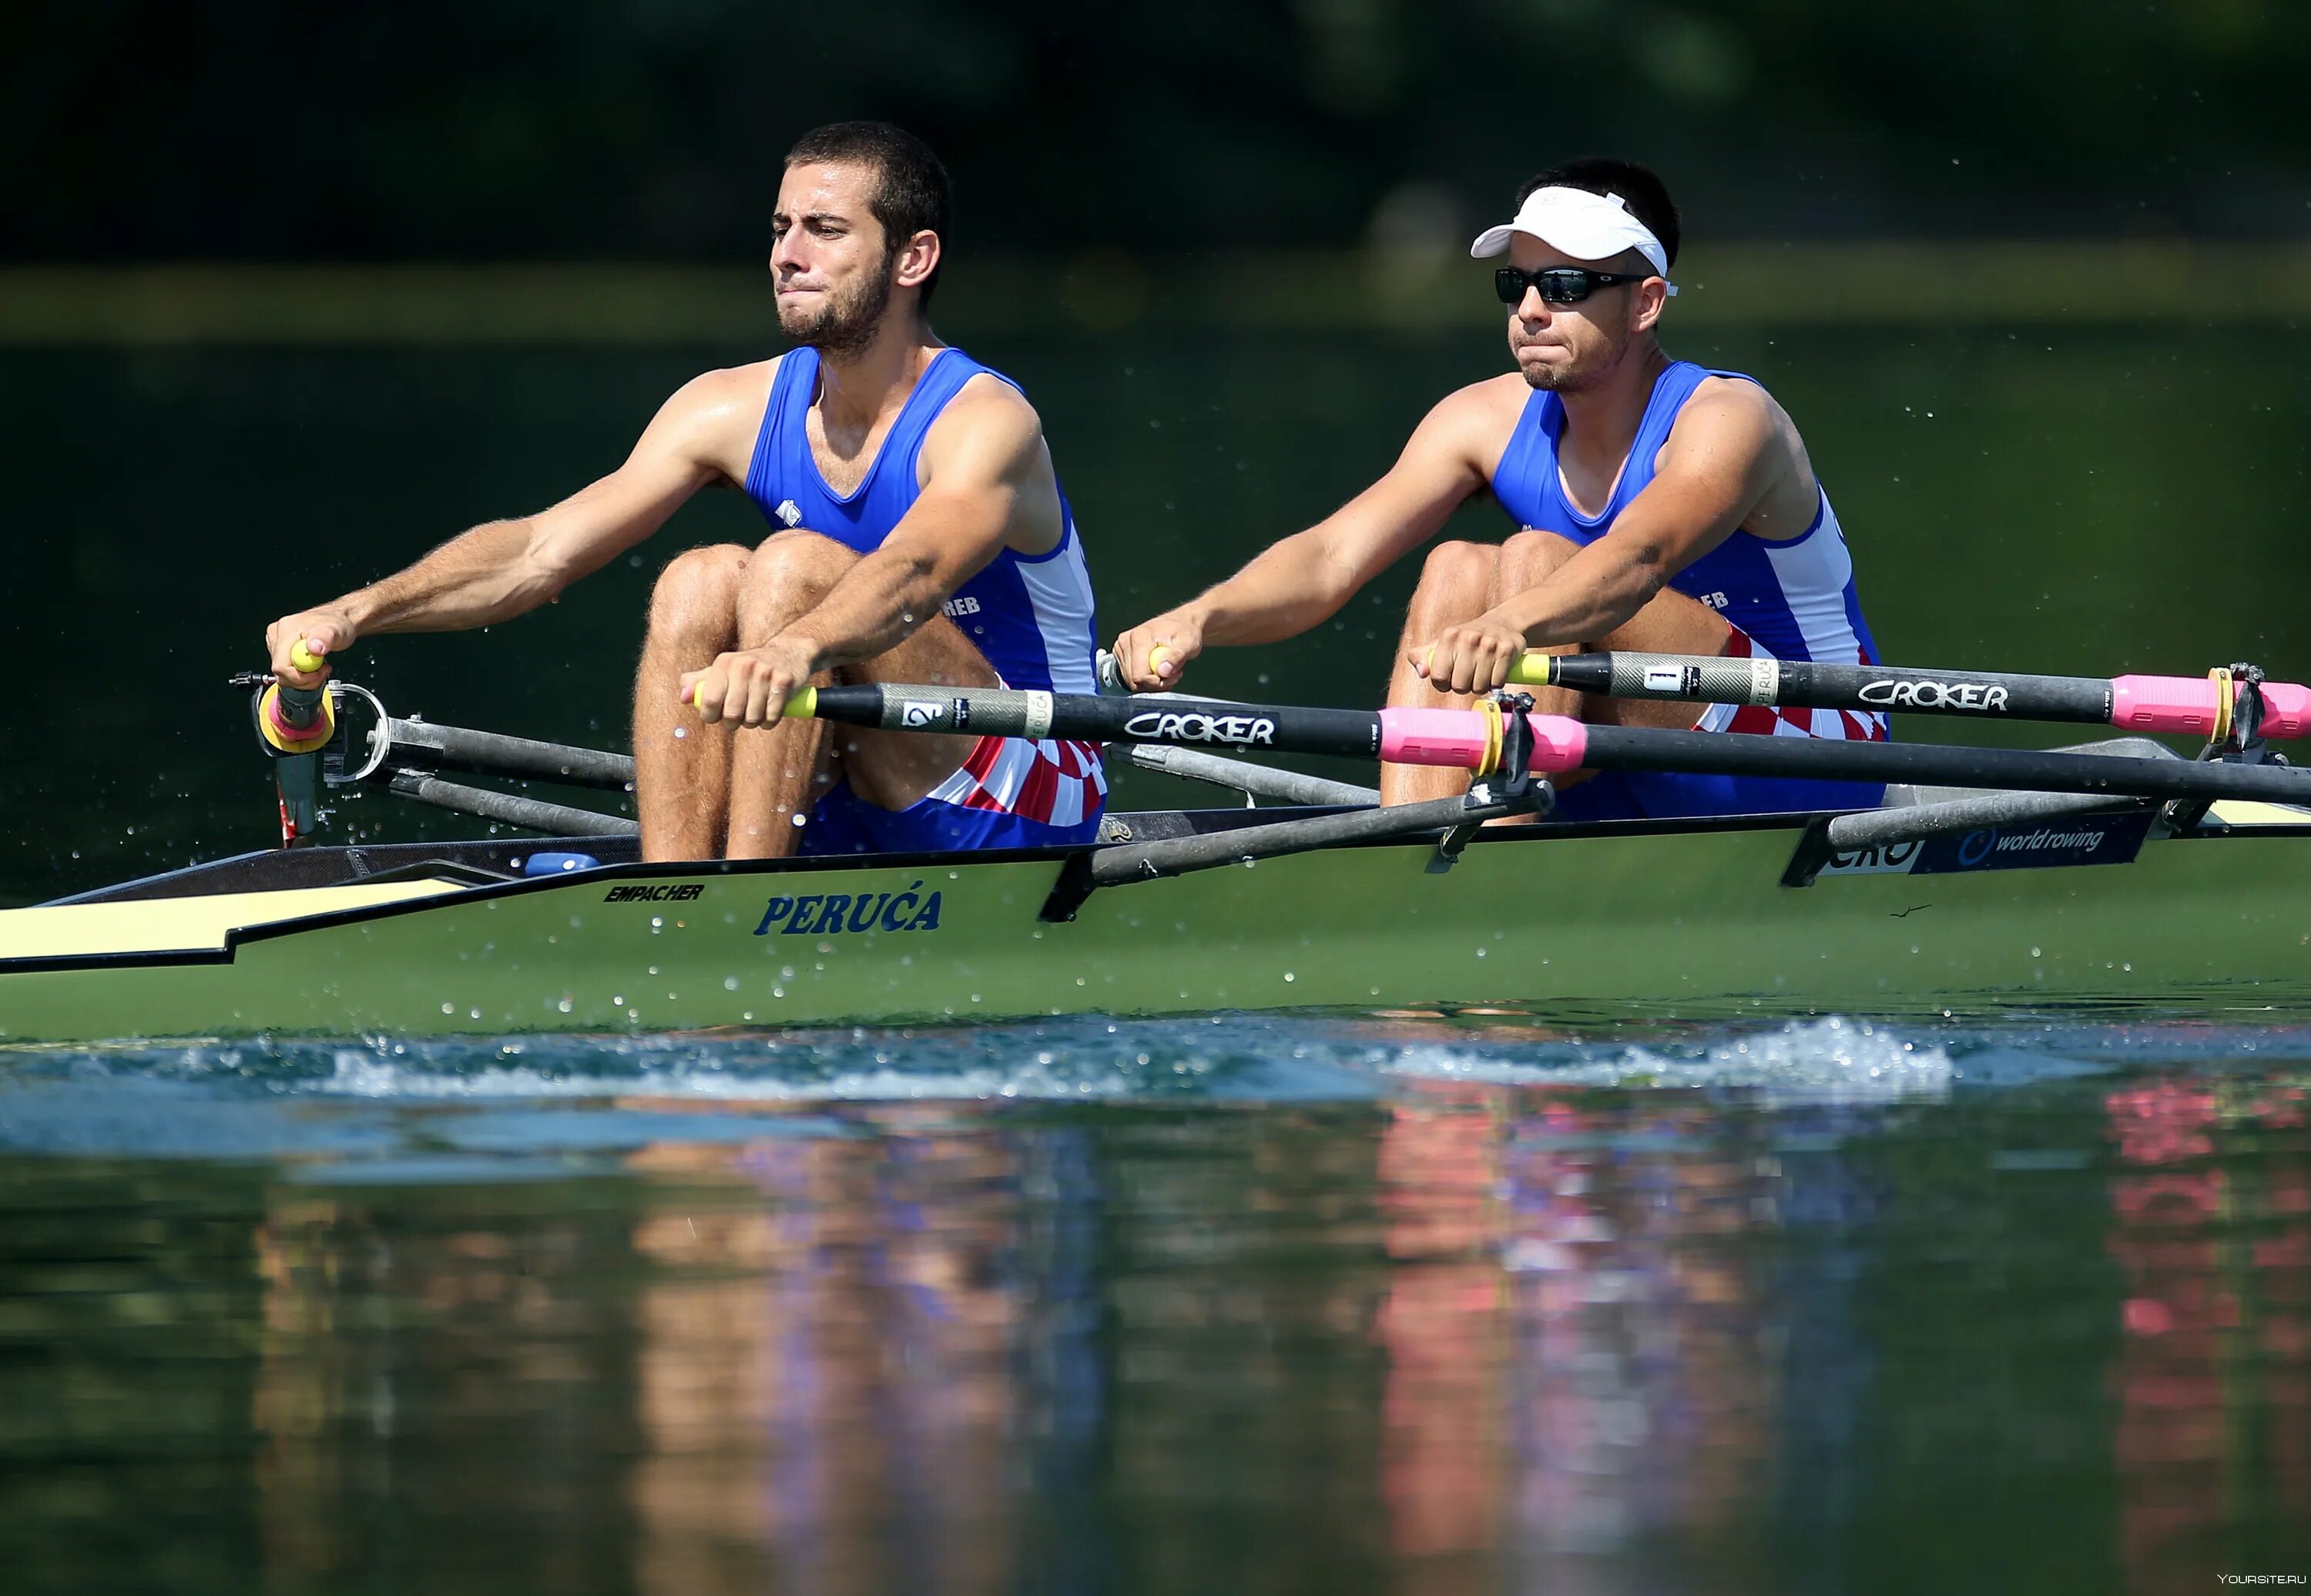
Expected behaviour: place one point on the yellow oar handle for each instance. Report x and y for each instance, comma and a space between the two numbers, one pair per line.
302, 657
1155, 657
804, 704
1531, 670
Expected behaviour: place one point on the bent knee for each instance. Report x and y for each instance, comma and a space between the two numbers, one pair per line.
1456, 566
801, 546
701, 582
1538, 551
799, 559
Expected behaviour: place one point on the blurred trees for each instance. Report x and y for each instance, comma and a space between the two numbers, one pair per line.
447, 129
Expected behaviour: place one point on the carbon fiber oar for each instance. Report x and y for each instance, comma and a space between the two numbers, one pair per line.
1470, 739
2179, 706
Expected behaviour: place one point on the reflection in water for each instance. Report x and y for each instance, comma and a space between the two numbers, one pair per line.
841, 1377
1469, 1334
905, 1359
2213, 1377
1580, 1367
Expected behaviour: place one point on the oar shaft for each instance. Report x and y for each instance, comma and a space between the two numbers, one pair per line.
1180, 721
1462, 738
1734, 753
2179, 706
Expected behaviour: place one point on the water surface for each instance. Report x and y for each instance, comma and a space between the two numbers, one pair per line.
1241, 1304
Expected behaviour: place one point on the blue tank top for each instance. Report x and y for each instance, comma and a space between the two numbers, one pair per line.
1795, 597
1030, 614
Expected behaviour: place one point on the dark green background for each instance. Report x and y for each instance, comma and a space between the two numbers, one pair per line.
431, 129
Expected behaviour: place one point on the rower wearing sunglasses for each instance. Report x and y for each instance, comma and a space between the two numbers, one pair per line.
1659, 507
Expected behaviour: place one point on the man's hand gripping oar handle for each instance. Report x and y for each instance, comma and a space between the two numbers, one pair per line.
804, 702
1531, 669
296, 723
1110, 669
297, 720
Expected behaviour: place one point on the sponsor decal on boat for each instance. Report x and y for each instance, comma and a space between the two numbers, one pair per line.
662, 892
829, 914
1244, 731
2081, 839
1887, 859
1935, 695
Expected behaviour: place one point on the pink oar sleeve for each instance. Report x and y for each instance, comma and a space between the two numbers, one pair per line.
1456, 737
2186, 706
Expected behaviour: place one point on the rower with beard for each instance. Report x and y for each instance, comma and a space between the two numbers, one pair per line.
1662, 507
921, 537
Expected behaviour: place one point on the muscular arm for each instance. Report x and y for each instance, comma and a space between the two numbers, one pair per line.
503, 569
987, 482
1730, 448
986, 474
1303, 580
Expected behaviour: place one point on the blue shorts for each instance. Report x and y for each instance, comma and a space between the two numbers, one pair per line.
1678, 795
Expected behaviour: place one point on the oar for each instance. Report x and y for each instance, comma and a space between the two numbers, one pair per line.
2179, 706
1470, 739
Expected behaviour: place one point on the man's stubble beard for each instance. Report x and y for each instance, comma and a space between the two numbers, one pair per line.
847, 326
1578, 378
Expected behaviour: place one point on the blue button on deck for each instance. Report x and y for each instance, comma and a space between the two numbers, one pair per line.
556, 864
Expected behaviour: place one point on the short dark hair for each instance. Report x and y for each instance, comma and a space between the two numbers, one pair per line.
912, 193
1640, 188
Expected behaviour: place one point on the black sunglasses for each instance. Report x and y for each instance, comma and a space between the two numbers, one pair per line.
1559, 285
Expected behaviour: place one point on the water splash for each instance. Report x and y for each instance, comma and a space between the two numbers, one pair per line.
1828, 1061
588, 1096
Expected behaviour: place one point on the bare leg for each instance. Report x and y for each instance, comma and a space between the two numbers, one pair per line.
779, 773
1456, 582
1670, 623
682, 766
1461, 580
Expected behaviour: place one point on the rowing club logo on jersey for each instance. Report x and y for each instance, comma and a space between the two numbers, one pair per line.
787, 514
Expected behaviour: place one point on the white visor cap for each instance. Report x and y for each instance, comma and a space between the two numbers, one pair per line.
1585, 225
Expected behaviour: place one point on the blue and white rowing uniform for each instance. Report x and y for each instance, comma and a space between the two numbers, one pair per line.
1030, 614
1788, 599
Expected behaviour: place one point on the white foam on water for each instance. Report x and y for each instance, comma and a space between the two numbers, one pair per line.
1212, 1059
361, 1074
1827, 1060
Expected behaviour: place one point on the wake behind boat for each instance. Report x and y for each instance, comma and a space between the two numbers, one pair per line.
2120, 872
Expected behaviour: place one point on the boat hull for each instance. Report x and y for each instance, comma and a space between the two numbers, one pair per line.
1595, 925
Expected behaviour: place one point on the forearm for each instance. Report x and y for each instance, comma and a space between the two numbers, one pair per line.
1593, 594
477, 579
878, 603
1289, 588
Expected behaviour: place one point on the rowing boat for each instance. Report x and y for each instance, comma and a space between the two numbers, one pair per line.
2171, 882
